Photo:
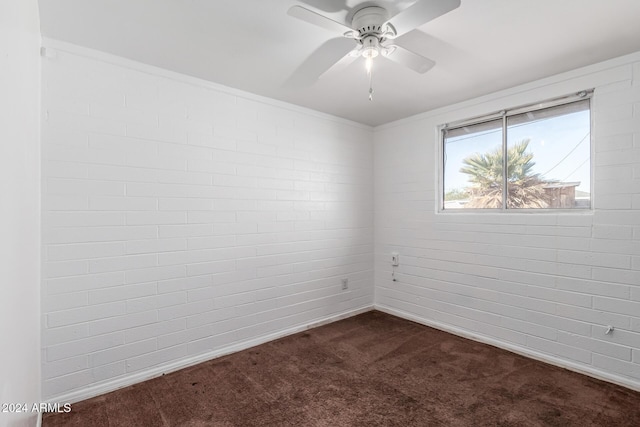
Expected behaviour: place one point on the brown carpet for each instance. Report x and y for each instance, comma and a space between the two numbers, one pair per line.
369, 370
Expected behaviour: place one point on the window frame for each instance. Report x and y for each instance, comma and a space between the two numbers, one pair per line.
503, 115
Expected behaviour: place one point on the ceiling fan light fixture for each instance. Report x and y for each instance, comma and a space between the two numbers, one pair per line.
369, 53
370, 49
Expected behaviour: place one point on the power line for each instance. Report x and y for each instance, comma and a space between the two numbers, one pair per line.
573, 171
568, 154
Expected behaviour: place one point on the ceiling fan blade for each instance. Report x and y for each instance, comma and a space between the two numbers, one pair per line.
343, 63
420, 13
329, 55
317, 19
402, 56
328, 6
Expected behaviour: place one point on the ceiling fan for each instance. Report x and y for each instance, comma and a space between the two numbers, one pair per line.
374, 33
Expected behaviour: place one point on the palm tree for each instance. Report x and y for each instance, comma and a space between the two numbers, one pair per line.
524, 188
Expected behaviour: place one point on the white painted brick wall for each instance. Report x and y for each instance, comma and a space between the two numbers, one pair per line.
180, 218
545, 283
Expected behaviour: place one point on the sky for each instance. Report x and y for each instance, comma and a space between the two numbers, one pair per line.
561, 148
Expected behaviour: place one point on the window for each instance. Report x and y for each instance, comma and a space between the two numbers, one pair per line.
545, 150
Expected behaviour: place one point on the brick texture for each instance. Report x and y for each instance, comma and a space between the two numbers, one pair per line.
180, 219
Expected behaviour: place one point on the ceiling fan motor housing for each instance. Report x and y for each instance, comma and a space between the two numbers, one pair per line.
369, 21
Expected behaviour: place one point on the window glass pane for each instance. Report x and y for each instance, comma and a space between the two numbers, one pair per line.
473, 166
549, 158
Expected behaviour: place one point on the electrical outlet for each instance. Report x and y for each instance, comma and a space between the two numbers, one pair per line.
345, 283
395, 259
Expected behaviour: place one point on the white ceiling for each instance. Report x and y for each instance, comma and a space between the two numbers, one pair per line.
253, 45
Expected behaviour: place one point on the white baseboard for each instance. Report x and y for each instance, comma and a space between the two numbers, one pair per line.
523, 351
156, 371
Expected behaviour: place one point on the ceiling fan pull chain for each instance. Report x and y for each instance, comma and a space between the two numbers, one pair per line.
371, 85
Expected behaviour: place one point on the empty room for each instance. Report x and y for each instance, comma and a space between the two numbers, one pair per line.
320, 213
